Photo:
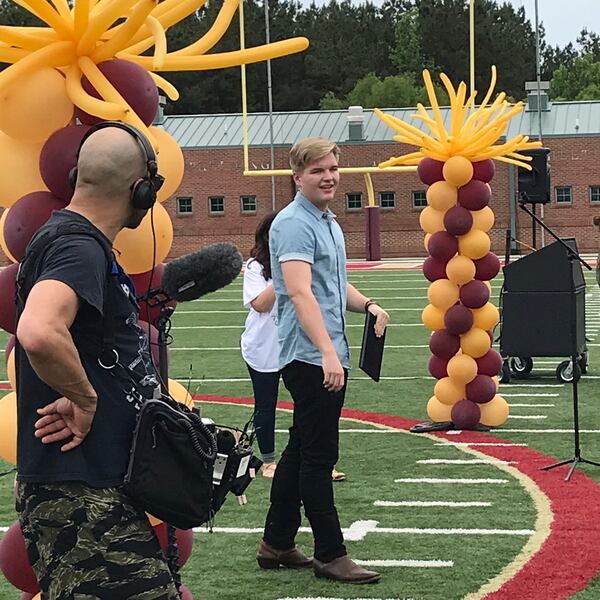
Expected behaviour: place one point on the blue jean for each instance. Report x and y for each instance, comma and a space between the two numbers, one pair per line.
303, 475
266, 388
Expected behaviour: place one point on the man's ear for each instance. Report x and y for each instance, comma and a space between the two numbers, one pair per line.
296, 179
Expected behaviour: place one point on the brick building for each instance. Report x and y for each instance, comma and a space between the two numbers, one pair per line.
216, 201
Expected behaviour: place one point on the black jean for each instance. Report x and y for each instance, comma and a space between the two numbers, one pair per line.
303, 475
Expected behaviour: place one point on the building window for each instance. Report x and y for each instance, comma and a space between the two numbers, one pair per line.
387, 199
248, 204
419, 199
594, 193
216, 205
184, 205
564, 194
354, 200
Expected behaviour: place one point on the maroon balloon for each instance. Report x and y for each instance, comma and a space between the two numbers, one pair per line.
438, 367
474, 294
458, 319
430, 170
475, 195
442, 246
185, 541
487, 268
434, 269
142, 282
25, 217
481, 389
458, 220
132, 82
8, 311
465, 414
484, 170
444, 344
185, 593
59, 156
14, 562
490, 363
10, 344
27, 596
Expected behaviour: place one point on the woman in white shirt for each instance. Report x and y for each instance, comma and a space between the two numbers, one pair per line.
260, 345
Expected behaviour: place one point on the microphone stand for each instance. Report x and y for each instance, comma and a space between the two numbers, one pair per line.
158, 298
572, 256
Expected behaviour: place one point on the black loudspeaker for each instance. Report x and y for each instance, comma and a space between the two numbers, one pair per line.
540, 291
143, 191
534, 185
546, 270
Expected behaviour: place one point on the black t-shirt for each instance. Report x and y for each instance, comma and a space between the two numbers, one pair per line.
79, 261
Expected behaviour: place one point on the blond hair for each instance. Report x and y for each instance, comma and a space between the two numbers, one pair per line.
309, 149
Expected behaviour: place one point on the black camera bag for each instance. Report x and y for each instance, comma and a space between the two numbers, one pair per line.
170, 472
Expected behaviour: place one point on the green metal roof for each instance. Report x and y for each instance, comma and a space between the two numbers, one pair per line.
225, 130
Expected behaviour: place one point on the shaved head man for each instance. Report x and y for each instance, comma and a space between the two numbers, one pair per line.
83, 372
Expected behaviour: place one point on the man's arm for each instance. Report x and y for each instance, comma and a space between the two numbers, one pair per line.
357, 302
298, 279
43, 332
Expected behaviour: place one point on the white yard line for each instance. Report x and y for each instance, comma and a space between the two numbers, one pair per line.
429, 503
451, 480
463, 461
476, 444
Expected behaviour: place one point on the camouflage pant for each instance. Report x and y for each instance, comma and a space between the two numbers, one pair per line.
91, 544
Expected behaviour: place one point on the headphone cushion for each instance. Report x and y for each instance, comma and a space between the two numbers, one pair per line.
143, 194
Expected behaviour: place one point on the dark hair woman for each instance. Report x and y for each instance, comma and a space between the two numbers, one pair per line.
259, 343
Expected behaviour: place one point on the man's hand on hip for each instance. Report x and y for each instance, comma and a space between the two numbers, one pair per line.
333, 372
64, 419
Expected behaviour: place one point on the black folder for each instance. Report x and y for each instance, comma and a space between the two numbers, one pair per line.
371, 351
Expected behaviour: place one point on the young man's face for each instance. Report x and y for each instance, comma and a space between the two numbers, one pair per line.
319, 180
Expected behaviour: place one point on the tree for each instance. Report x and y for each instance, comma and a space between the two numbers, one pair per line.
579, 82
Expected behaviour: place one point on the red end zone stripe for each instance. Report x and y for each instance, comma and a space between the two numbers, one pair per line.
569, 558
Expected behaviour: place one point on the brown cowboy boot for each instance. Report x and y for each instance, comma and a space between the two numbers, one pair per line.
270, 558
344, 570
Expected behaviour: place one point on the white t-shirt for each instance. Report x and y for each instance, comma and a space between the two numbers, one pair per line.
260, 344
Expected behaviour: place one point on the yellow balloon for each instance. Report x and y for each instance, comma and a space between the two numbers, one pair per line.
475, 244
495, 412
153, 520
448, 391
443, 294
431, 220
441, 195
2, 240
476, 342
10, 370
134, 248
460, 269
457, 170
37, 597
180, 393
19, 169
483, 219
437, 411
170, 162
486, 317
488, 285
462, 368
426, 241
35, 106
8, 427
433, 318
496, 381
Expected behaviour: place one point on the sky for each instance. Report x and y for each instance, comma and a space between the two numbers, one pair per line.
562, 19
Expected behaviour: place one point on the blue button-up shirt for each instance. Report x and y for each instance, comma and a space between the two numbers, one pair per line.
303, 232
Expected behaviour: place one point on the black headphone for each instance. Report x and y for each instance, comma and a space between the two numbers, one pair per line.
143, 190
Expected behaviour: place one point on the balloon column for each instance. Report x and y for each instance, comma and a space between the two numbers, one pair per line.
87, 64
456, 166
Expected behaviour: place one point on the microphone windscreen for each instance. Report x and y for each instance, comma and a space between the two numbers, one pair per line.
207, 270
225, 441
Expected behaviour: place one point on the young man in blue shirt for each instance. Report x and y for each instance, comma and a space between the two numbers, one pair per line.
308, 262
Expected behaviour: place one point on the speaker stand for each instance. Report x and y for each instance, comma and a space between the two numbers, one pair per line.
573, 256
